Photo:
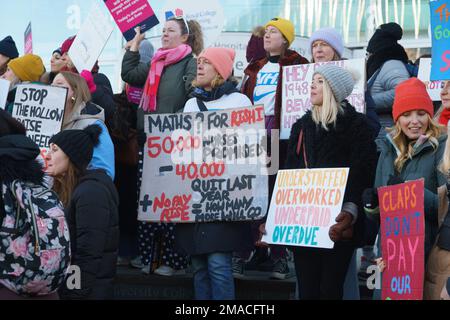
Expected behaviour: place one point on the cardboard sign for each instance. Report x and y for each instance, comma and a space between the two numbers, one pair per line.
305, 204
128, 14
28, 40
440, 37
205, 166
40, 109
4, 90
434, 88
297, 90
402, 240
90, 40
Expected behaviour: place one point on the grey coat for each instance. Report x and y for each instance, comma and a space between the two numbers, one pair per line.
175, 85
391, 74
424, 164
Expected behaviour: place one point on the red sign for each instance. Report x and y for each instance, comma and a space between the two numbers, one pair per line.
402, 240
28, 40
129, 14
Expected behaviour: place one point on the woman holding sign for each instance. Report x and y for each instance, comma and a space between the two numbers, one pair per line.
211, 244
332, 135
411, 150
167, 81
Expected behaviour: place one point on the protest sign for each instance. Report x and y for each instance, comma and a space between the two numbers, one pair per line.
402, 240
4, 90
90, 40
205, 166
440, 37
434, 88
296, 99
40, 108
305, 204
128, 14
28, 40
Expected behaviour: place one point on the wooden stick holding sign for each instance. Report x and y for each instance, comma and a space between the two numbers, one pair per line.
305, 204
90, 40
402, 240
205, 166
40, 108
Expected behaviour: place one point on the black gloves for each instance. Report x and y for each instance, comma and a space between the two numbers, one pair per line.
370, 198
394, 179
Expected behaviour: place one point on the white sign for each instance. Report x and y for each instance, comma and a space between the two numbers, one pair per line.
434, 88
40, 108
205, 167
297, 90
91, 39
209, 14
305, 204
4, 90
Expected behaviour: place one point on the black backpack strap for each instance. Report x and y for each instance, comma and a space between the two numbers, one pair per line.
201, 105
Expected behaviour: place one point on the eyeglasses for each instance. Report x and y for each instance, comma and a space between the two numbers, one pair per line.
178, 15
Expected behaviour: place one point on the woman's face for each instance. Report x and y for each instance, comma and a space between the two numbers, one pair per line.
66, 61
414, 123
205, 73
60, 81
322, 51
11, 77
3, 60
57, 161
317, 90
56, 62
274, 41
171, 35
445, 95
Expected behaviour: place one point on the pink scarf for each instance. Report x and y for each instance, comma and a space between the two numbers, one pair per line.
160, 60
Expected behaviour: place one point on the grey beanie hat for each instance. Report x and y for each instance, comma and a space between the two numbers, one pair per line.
340, 80
146, 51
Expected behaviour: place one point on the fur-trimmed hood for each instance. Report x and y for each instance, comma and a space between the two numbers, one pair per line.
18, 160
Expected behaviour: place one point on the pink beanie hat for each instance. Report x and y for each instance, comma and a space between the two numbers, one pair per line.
221, 58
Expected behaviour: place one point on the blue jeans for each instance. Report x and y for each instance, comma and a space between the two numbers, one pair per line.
213, 276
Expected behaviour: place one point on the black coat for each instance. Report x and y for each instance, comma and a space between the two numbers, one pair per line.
209, 237
104, 97
94, 232
349, 145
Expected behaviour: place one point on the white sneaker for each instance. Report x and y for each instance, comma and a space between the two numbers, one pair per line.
137, 263
168, 271
146, 269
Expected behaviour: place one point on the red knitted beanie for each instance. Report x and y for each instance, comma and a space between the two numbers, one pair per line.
411, 95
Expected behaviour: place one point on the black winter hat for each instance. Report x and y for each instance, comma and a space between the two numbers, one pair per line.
384, 37
78, 145
18, 147
8, 48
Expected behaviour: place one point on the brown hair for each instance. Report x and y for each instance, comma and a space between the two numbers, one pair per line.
195, 34
259, 31
64, 185
80, 90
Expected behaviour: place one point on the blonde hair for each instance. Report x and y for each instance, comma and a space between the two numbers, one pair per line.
64, 185
406, 147
81, 93
327, 113
215, 83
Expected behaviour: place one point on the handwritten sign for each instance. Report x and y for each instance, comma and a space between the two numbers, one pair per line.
129, 14
205, 166
402, 240
40, 109
28, 40
305, 204
434, 88
90, 40
4, 90
440, 37
297, 90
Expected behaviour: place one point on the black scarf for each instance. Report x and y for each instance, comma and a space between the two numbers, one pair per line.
227, 88
375, 61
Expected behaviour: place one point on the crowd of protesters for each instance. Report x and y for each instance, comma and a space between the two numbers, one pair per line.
94, 165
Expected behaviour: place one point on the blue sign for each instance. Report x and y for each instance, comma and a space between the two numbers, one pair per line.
440, 30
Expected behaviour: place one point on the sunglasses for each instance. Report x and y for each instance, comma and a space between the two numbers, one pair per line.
178, 15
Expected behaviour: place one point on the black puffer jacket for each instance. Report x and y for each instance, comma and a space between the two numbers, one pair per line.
104, 97
94, 231
349, 145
